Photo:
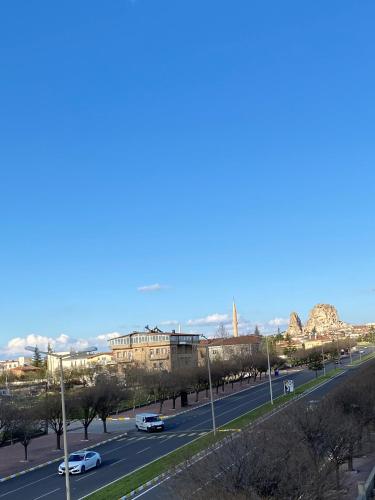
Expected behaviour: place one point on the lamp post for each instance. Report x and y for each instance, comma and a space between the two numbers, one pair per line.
269, 371
350, 349
210, 384
60, 357
324, 365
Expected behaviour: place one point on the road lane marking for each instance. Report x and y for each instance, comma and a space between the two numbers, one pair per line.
141, 451
182, 435
118, 461
49, 493
27, 485
85, 476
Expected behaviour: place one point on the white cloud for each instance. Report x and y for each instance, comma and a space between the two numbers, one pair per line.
151, 288
108, 336
211, 319
16, 346
170, 322
278, 322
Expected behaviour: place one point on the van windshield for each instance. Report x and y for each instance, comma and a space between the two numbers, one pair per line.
151, 419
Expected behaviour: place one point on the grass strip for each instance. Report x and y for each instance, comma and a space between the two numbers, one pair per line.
135, 479
364, 358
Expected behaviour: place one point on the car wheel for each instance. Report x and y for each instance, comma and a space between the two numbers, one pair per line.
83, 469
137, 428
98, 463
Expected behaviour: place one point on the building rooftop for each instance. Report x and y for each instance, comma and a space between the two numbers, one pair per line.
242, 339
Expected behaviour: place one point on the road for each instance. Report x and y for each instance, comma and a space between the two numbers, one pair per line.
137, 449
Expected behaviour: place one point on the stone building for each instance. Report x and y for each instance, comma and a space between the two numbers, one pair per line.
228, 348
154, 349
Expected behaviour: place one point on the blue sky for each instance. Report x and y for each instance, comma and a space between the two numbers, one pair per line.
213, 148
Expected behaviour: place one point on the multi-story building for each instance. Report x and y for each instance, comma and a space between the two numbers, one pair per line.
9, 364
228, 348
78, 361
155, 349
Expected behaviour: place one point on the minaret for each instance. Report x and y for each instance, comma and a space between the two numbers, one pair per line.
234, 319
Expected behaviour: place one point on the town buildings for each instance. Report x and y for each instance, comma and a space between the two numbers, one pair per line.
9, 364
74, 361
155, 349
228, 348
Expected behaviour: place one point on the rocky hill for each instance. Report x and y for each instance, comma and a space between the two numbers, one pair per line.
323, 319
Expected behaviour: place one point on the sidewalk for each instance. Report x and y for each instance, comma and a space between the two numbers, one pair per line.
42, 449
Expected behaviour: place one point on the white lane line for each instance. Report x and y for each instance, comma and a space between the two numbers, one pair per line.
27, 485
118, 461
182, 435
131, 439
49, 493
113, 449
85, 476
192, 434
141, 451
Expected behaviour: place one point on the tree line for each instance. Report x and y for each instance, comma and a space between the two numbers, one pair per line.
98, 394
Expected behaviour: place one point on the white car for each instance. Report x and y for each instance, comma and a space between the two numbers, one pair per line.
80, 462
148, 422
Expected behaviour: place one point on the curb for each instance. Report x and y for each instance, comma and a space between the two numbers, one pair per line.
120, 418
31, 469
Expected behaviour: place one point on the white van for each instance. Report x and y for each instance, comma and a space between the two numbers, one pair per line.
148, 422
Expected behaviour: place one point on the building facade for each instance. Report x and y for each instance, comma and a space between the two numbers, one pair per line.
154, 349
228, 348
78, 362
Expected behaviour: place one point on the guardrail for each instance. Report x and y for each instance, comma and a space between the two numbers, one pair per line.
366, 488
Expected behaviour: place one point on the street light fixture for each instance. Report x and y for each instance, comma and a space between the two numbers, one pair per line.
60, 357
210, 384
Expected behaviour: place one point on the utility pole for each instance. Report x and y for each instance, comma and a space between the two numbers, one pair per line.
324, 365
269, 371
210, 384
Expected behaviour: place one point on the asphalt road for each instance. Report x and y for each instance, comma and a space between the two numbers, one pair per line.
137, 449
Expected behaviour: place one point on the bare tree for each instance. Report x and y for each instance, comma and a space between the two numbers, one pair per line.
50, 410
222, 332
26, 425
85, 407
109, 393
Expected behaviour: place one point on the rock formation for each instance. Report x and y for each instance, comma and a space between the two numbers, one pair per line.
295, 325
322, 319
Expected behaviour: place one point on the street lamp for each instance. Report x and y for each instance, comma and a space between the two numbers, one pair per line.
210, 384
269, 371
350, 349
324, 365
60, 357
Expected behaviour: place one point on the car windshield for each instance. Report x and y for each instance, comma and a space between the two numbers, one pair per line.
75, 458
152, 419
